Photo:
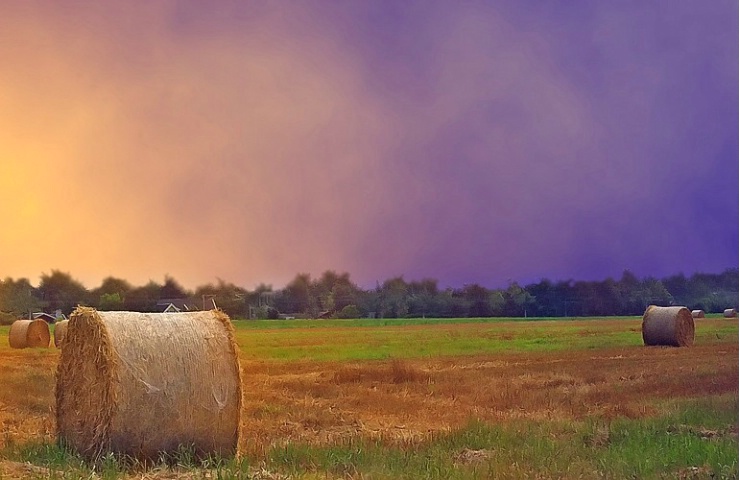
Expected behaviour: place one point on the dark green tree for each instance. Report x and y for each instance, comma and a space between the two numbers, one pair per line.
172, 289
393, 298
59, 291
18, 297
110, 302
227, 297
111, 294
477, 299
143, 299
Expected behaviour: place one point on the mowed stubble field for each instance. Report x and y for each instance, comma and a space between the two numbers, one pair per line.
481, 398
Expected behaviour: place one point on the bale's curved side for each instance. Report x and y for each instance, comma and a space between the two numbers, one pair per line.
60, 329
18, 333
672, 326
173, 380
698, 314
730, 313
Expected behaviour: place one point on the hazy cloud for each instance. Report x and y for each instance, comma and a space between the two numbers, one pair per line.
469, 143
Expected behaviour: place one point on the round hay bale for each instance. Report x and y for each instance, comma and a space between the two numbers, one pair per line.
145, 385
698, 314
668, 326
29, 333
60, 329
730, 313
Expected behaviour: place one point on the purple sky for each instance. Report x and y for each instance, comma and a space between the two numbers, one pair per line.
466, 141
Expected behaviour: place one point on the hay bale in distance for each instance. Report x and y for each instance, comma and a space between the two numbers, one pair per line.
730, 313
698, 314
60, 329
149, 384
29, 333
668, 326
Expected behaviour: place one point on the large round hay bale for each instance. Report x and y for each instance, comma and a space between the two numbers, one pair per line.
730, 313
29, 333
60, 329
145, 385
698, 314
668, 326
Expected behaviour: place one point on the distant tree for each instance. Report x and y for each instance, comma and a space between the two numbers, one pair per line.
423, 298
296, 296
343, 293
393, 297
114, 290
497, 302
253, 300
655, 293
18, 297
452, 303
113, 285
611, 300
368, 302
143, 299
172, 289
518, 300
630, 289
477, 298
227, 296
321, 290
59, 290
350, 311
679, 288
110, 302
587, 299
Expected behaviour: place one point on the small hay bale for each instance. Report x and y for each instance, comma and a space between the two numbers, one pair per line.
60, 329
147, 385
698, 314
671, 326
730, 313
29, 333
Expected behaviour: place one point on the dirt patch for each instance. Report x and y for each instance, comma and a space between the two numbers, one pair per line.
10, 469
470, 457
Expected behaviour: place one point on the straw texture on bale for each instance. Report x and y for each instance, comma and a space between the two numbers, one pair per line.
698, 314
149, 384
60, 329
671, 326
29, 333
730, 313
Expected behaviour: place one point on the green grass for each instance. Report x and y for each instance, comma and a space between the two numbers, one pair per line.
60, 463
400, 322
653, 448
697, 437
377, 339
345, 340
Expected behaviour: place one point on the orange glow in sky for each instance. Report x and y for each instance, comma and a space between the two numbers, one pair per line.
254, 141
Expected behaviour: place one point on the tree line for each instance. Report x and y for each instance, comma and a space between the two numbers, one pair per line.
336, 295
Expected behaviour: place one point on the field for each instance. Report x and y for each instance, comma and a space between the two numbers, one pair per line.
463, 398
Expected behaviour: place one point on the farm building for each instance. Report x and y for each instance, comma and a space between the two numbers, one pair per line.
175, 305
47, 317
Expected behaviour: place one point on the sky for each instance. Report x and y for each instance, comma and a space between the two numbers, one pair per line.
472, 142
